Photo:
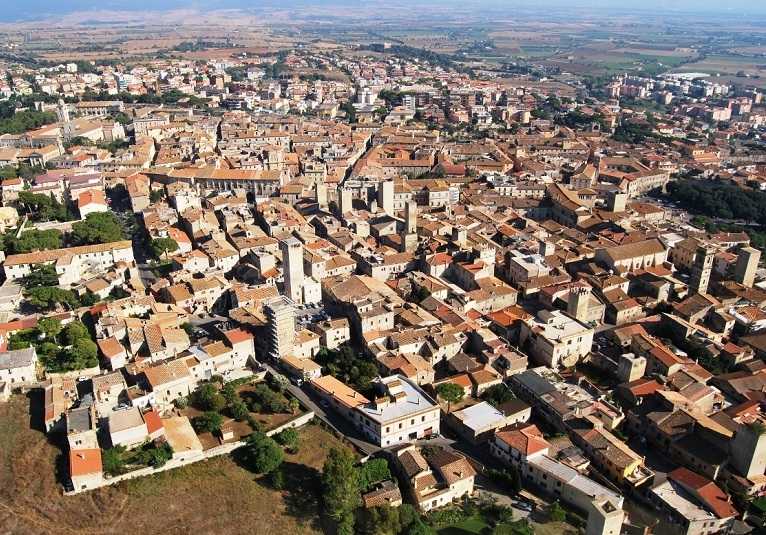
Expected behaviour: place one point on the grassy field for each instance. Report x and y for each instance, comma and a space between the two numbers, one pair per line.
215, 496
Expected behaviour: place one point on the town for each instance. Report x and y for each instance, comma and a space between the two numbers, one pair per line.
519, 302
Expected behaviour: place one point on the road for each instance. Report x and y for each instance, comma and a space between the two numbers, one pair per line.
328, 416
479, 457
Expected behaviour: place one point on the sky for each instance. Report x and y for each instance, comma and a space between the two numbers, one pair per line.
33, 9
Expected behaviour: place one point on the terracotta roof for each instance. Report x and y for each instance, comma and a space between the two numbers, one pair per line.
340, 391
153, 421
166, 373
85, 462
91, 197
706, 491
40, 257
636, 249
451, 466
110, 347
526, 440
236, 336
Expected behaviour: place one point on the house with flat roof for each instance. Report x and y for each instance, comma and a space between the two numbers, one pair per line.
556, 339
479, 422
402, 412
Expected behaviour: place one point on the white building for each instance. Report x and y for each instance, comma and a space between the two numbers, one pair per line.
556, 339
127, 428
401, 413
18, 367
73, 263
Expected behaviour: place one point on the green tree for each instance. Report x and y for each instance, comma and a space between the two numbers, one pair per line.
340, 485
8, 171
162, 246
32, 240
42, 207
419, 528
239, 410
74, 331
262, 454
48, 298
208, 398
498, 394
345, 364
26, 120
41, 275
556, 512
82, 354
289, 439
277, 479
155, 455
49, 327
451, 393
209, 422
113, 460
372, 472
98, 227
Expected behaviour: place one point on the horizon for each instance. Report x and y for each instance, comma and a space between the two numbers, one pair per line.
33, 10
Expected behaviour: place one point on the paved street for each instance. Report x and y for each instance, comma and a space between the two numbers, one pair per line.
330, 417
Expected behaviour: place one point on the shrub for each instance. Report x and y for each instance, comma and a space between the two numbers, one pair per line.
113, 460
208, 398
210, 422
239, 411
277, 479
557, 513
262, 454
289, 439
372, 472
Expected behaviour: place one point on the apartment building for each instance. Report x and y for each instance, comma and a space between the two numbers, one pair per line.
633, 256
72, 264
401, 412
556, 339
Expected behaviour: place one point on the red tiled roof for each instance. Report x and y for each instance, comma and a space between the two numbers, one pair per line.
708, 492
153, 421
527, 440
643, 387
84, 462
236, 336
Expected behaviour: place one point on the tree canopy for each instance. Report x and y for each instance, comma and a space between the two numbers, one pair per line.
25, 120
344, 364
32, 240
451, 393
162, 246
372, 472
41, 207
40, 275
340, 485
60, 350
98, 227
262, 454
498, 394
719, 199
